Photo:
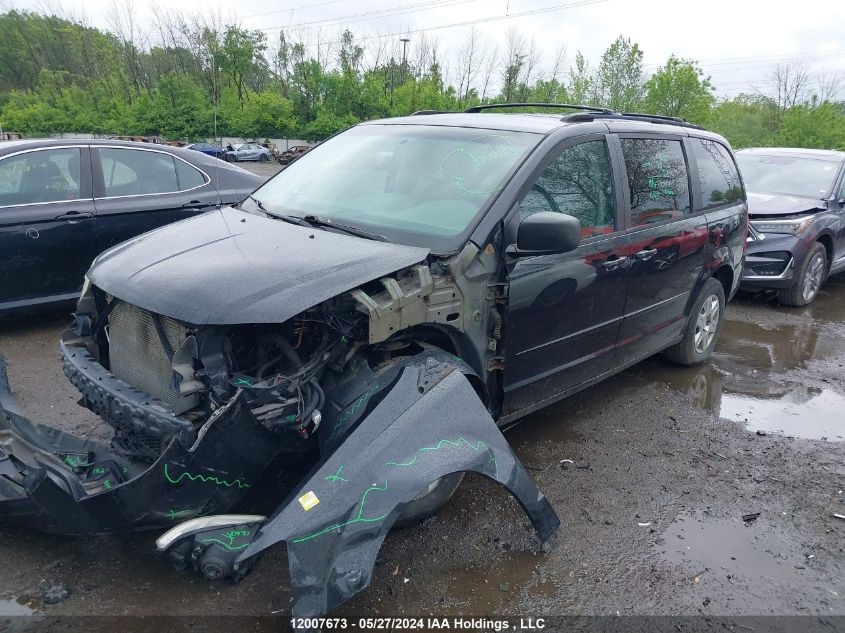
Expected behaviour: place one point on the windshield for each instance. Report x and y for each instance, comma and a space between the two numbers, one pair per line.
787, 175
415, 184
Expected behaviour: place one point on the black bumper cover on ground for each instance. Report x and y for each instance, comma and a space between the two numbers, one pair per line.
56, 482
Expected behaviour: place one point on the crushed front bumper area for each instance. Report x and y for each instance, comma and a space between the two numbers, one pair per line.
428, 425
56, 482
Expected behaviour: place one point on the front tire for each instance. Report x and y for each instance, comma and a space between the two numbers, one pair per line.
429, 501
263, 158
703, 328
809, 279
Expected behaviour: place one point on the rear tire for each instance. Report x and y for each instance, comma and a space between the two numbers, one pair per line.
809, 279
703, 328
429, 501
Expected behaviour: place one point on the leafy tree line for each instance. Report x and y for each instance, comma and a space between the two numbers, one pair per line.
194, 76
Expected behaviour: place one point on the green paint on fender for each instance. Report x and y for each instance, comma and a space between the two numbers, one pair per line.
360, 518
477, 446
344, 416
336, 476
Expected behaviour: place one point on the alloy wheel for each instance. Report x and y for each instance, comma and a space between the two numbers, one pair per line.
706, 324
813, 278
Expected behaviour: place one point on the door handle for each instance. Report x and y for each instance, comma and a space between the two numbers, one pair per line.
613, 264
72, 216
646, 254
195, 204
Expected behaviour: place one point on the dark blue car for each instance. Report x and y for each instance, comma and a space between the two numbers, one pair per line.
207, 148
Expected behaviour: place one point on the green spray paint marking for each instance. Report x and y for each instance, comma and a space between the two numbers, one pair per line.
352, 408
242, 382
358, 519
226, 545
410, 463
173, 515
231, 535
336, 476
76, 462
478, 446
204, 479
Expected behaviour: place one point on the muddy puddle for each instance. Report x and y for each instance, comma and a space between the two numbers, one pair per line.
727, 547
487, 588
754, 377
11, 607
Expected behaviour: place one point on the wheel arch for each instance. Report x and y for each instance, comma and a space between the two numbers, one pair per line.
826, 240
724, 274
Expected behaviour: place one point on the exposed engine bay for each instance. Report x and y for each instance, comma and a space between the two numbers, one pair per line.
335, 424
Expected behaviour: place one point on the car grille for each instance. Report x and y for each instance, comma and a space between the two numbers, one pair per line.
136, 353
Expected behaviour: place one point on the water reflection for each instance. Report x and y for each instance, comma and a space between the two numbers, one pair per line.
10, 607
743, 550
750, 378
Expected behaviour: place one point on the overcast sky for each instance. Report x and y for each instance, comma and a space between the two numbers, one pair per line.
738, 42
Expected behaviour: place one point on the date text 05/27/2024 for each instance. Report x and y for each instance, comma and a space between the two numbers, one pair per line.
421, 624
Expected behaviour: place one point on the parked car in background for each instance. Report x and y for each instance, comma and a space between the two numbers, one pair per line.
64, 201
796, 198
291, 154
248, 151
207, 148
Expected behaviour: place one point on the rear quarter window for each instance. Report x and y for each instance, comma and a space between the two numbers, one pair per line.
718, 178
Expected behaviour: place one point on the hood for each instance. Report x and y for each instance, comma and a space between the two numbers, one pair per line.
228, 266
763, 204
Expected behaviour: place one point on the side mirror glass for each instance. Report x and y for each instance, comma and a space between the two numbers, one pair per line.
546, 233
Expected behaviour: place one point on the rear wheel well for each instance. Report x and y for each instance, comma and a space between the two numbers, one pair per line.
725, 276
827, 242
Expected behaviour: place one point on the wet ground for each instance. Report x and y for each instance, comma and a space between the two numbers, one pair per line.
662, 464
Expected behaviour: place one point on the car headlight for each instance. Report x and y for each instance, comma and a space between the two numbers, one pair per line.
796, 226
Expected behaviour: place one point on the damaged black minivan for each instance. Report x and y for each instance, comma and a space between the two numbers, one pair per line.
352, 337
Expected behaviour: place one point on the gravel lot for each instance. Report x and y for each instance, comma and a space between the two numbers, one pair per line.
665, 462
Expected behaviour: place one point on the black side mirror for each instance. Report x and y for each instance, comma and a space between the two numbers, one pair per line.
546, 233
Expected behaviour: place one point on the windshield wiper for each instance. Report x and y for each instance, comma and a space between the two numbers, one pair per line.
314, 220
259, 204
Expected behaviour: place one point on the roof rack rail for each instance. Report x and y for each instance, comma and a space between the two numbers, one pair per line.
631, 116
569, 106
424, 112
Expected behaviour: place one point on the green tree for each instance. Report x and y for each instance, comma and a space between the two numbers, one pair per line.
268, 115
745, 121
619, 79
819, 125
680, 89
